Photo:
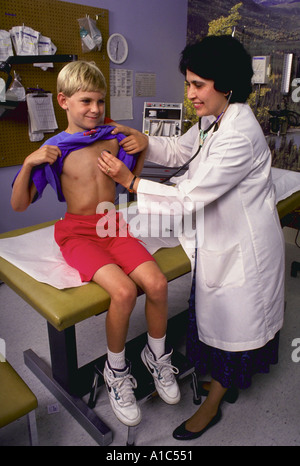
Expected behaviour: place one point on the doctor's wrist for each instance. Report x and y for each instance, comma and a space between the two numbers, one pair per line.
132, 188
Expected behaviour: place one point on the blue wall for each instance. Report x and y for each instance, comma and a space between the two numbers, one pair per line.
156, 34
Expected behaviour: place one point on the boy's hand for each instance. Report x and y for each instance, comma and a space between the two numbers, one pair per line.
134, 142
45, 154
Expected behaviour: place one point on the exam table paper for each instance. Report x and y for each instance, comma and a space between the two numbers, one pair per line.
37, 254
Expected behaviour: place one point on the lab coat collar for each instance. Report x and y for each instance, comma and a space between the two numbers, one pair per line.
231, 112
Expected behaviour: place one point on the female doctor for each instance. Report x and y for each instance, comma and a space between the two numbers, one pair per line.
237, 253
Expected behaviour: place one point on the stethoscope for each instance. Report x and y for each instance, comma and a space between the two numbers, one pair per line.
202, 136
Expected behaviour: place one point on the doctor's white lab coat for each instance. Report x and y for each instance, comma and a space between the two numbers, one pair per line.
240, 255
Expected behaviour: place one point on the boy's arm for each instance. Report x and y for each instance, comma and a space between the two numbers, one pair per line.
140, 163
24, 190
134, 142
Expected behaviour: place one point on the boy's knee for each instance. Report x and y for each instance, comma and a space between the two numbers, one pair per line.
125, 295
157, 286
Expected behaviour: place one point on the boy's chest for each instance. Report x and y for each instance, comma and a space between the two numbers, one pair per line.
83, 162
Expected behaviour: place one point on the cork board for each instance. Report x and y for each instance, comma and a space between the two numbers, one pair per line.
57, 20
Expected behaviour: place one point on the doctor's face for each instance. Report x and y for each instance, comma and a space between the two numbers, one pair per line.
203, 95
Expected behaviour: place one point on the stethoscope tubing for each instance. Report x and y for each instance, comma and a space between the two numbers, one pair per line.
202, 137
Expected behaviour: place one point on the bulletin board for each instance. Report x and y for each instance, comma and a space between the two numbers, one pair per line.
59, 21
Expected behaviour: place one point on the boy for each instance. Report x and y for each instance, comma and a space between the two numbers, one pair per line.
68, 161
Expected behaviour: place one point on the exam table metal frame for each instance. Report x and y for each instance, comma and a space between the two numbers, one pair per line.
62, 310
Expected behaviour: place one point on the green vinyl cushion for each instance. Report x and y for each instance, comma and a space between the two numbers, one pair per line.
64, 308
16, 398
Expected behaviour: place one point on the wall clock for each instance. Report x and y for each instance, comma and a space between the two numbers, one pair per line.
117, 48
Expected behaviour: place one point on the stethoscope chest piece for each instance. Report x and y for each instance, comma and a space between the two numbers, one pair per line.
202, 136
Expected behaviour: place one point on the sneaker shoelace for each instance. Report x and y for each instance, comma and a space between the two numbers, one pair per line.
123, 389
165, 372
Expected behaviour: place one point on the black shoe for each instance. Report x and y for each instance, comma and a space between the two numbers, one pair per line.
182, 434
230, 396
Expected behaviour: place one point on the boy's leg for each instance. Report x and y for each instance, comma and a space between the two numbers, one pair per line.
123, 295
119, 381
151, 280
157, 360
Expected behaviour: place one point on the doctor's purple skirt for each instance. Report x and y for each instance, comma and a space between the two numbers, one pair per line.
229, 368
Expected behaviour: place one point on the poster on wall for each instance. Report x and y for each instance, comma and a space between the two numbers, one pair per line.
145, 84
269, 30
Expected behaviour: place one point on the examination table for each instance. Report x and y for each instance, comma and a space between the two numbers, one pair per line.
63, 309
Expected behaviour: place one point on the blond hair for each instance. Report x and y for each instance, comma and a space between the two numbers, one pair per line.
80, 76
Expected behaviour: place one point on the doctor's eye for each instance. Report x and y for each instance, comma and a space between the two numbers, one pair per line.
198, 85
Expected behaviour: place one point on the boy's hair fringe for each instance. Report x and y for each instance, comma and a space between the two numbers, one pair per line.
80, 76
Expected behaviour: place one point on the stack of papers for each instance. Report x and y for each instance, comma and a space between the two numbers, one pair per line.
41, 116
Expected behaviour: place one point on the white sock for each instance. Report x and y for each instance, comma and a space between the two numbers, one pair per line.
116, 360
157, 345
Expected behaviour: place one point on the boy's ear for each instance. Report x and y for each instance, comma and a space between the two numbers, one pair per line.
62, 100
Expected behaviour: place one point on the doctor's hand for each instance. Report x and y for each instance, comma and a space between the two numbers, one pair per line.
134, 142
115, 169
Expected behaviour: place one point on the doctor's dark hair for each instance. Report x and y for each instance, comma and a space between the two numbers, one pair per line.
222, 59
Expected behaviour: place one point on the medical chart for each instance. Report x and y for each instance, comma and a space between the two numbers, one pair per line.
41, 116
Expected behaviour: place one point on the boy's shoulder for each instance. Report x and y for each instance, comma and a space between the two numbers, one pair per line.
56, 139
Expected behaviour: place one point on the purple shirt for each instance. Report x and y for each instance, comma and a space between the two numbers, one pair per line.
50, 174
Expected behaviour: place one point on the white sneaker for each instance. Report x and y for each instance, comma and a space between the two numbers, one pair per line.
120, 385
162, 372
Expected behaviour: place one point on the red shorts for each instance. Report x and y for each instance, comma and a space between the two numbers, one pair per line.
85, 247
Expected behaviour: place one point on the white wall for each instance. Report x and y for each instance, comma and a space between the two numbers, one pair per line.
156, 34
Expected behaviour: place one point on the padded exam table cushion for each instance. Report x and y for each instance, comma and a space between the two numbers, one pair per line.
16, 398
64, 308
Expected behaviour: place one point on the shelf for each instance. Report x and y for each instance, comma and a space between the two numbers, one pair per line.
7, 106
28, 59
5, 66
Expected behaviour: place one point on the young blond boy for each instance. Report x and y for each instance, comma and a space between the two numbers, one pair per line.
118, 264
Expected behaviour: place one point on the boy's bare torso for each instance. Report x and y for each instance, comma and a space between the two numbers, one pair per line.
84, 186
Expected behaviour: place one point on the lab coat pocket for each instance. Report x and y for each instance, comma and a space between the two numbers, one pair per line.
223, 268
